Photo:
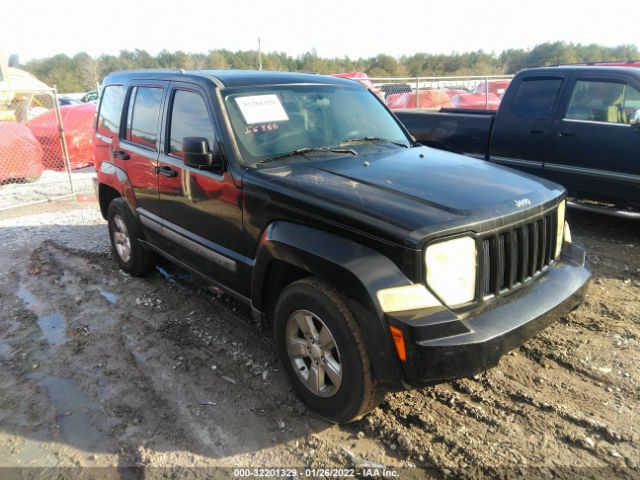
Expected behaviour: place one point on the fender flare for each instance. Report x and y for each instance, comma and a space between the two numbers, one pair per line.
356, 271
116, 178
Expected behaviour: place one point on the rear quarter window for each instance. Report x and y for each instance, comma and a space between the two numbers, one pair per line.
536, 97
111, 110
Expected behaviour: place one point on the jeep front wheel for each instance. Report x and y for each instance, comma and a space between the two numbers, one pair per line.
322, 350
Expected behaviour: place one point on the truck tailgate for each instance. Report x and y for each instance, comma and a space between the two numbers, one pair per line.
460, 132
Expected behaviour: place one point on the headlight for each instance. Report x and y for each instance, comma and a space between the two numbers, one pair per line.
560, 233
451, 270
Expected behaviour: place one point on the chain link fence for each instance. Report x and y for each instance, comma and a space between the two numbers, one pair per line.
45, 150
434, 93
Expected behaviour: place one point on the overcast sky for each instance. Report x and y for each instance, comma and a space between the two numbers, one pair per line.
353, 28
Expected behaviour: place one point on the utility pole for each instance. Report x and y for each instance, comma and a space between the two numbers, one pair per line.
259, 55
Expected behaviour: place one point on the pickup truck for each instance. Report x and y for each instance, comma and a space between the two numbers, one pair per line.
576, 125
379, 264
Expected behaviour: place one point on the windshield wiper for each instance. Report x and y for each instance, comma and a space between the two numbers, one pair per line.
373, 139
301, 151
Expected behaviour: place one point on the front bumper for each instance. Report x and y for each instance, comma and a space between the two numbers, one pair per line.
442, 345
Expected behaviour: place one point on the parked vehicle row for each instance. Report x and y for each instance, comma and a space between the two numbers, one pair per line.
380, 264
397, 96
485, 96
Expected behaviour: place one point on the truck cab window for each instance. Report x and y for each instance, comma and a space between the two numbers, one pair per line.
600, 101
189, 118
535, 98
144, 112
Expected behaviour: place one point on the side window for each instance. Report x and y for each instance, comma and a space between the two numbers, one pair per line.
142, 119
536, 97
189, 118
600, 101
111, 110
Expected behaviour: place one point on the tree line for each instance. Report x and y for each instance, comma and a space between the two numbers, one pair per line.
83, 72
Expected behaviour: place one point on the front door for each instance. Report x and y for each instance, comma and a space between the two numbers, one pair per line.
595, 150
201, 210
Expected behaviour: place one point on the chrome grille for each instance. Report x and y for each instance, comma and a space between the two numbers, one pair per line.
510, 257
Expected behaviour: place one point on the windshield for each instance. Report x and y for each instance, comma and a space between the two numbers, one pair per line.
277, 120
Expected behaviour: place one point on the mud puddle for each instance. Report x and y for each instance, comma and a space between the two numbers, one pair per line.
53, 328
76, 415
52, 325
112, 298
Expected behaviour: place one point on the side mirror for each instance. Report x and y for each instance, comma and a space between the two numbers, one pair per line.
14, 61
196, 154
635, 118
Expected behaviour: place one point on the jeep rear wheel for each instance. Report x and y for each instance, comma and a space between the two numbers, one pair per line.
125, 231
321, 348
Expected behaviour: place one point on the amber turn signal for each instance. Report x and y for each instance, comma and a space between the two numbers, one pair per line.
398, 340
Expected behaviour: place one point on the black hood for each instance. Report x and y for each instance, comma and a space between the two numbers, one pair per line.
406, 195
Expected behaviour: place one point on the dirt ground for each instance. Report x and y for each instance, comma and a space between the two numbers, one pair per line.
98, 369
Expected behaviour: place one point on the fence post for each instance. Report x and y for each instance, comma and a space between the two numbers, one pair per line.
417, 92
63, 140
486, 93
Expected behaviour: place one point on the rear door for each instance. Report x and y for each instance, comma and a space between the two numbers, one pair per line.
137, 152
522, 128
595, 148
201, 210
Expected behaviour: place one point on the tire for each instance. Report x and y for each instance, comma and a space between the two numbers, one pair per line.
343, 394
124, 232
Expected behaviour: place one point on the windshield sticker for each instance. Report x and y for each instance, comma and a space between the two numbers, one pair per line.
261, 128
261, 109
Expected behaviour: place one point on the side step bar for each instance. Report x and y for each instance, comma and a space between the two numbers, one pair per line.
612, 212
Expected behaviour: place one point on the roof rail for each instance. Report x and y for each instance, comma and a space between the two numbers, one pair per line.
607, 63
152, 70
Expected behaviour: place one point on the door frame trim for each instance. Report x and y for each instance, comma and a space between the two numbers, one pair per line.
519, 162
591, 172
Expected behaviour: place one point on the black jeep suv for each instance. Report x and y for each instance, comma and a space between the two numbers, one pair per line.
381, 264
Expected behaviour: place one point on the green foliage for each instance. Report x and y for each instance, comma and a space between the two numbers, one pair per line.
82, 72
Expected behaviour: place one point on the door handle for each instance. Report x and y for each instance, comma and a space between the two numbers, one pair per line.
566, 134
121, 155
537, 132
166, 171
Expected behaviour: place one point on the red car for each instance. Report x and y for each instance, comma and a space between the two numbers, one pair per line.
497, 87
20, 153
78, 123
426, 99
363, 78
476, 101
455, 91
